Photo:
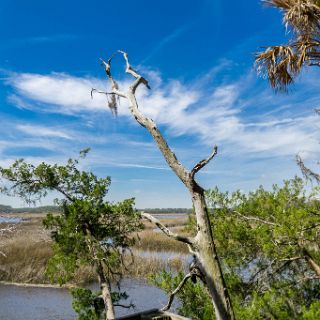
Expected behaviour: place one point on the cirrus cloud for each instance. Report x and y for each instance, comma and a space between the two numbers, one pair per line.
213, 115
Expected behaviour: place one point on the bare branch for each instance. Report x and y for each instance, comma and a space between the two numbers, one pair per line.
114, 84
193, 274
308, 173
281, 267
175, 291
130, 70
149, 124
112, 103
203, 162
291, 259
131, 305
102, 92
255, 219
312, 263
115, 93
165, 230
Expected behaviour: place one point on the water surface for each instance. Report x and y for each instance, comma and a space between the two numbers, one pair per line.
10, 220
32, 303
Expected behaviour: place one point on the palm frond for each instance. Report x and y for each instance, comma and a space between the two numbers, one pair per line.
302, 16
281, 4
279, 65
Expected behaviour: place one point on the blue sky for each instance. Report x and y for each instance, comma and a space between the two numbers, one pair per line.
198, 57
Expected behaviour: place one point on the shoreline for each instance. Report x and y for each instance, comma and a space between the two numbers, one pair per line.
38, 285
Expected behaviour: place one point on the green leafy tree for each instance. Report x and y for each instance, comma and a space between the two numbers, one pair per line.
90, 231
194, 298
270, 250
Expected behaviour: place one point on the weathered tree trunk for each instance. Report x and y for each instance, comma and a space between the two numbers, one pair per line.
206, 253
202, 246
103, 281
106, 293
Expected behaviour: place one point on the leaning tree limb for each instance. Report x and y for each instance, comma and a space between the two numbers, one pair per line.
203, 162
307, 172
202, 245
194, 273
175, 291
310, 260
166, 231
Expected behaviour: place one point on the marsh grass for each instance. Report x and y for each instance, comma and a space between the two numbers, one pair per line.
168, 222
25, 261
156, 241
28, 251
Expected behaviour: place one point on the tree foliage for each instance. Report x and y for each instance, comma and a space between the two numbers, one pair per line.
89, 305
90, 231
269, 243
195, 301
282, 63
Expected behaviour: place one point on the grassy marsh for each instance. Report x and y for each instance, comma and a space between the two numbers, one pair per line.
28, 250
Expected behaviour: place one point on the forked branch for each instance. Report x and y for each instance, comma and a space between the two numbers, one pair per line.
114, 84
165, 230
176, 290
134, 73
185, 176
193, 273
203, 162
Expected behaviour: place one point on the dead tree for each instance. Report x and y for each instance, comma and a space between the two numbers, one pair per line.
202, 246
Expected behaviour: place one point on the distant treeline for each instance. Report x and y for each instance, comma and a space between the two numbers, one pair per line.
55, 209
167, 210
43, 209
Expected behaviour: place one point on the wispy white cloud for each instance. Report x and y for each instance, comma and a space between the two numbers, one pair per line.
43, 131
65, 94
141, 166
220, 117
